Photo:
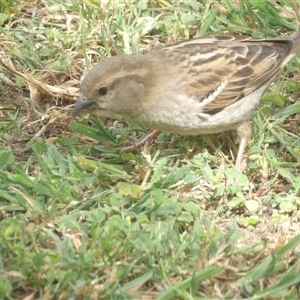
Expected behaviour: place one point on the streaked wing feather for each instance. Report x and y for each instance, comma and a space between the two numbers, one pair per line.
241, 64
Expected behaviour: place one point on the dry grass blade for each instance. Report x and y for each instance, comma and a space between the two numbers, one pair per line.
295, 7
57, 92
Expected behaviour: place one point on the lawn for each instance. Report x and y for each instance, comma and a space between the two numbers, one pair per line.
79, 219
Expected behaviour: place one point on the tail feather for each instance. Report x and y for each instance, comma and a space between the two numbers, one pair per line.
296, 42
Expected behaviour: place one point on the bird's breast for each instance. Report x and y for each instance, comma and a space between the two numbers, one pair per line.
184, 115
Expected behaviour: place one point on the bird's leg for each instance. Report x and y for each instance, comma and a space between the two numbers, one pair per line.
244, 134
151, 136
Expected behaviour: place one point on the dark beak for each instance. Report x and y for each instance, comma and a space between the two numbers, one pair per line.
82, 106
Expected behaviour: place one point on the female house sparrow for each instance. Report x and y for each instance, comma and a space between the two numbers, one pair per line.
197, 86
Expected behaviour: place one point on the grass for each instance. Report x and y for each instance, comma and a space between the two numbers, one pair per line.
174, 220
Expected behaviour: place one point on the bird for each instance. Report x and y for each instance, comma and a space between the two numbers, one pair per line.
197, 86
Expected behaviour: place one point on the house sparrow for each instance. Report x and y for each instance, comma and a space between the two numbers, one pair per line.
198, 86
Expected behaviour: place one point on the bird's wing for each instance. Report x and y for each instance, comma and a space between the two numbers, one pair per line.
224, 69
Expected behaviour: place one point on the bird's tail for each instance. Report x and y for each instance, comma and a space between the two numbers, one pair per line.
295, 39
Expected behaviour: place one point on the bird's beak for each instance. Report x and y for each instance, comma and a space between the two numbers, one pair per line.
81, 106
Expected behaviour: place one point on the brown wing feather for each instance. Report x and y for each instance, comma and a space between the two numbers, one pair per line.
243, 63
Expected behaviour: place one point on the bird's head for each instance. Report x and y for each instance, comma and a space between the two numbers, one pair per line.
113, 88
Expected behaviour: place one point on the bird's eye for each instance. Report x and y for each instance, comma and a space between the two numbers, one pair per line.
103, 90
